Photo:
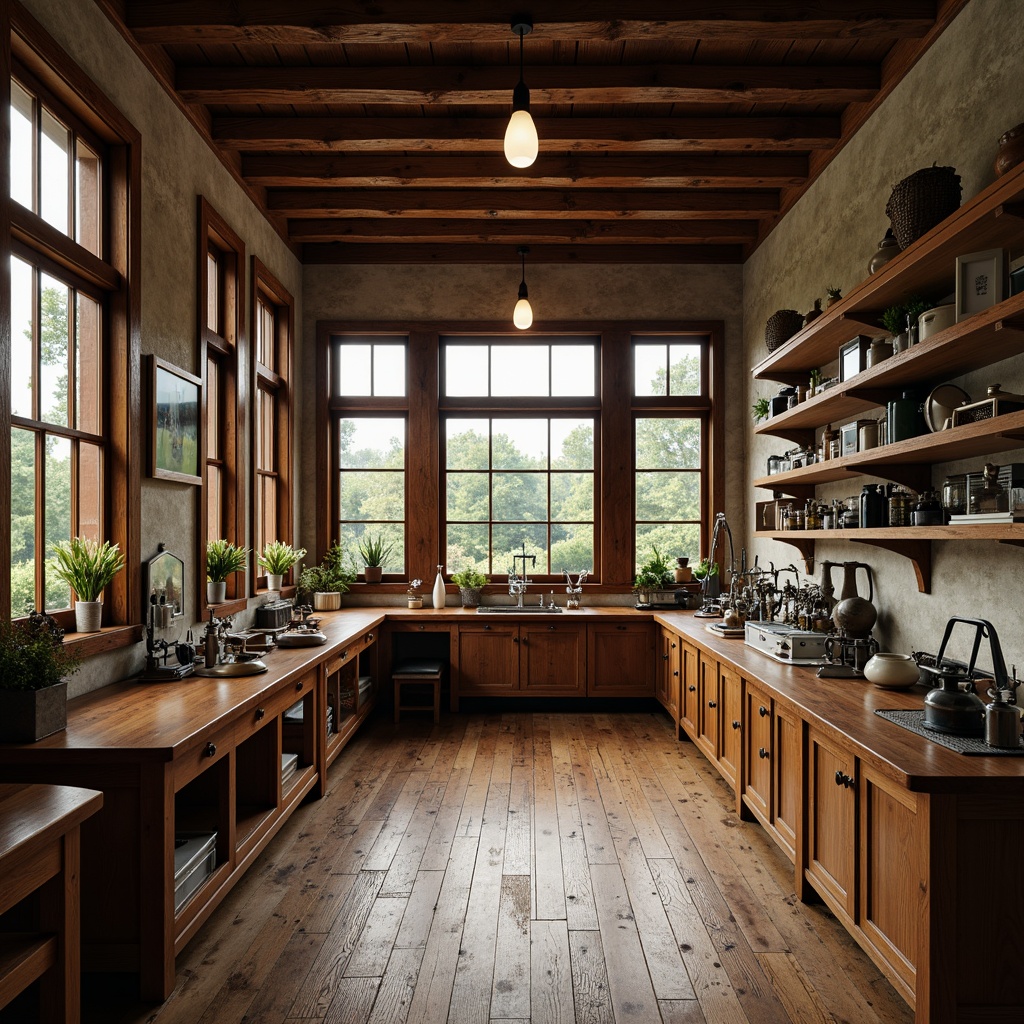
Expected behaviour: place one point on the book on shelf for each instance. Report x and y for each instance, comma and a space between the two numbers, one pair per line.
988, 517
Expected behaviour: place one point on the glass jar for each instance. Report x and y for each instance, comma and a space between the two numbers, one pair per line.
954, 494
812, 516
872, 506
899, 509
928, 511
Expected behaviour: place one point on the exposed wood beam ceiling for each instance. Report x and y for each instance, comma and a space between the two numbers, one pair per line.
669, 131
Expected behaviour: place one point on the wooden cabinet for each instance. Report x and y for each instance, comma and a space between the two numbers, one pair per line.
706, 706
689, 695
718, 711
620, 659
521, 659
351, 691
926, 266
669, 673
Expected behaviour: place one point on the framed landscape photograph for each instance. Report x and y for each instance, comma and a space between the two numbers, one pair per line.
980, 281
175, 410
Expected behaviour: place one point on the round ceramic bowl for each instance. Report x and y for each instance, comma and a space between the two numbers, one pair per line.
891, 671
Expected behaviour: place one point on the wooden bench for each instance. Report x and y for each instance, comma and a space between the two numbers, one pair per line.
421, 671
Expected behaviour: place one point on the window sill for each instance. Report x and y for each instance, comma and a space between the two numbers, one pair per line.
110, 638
230, 607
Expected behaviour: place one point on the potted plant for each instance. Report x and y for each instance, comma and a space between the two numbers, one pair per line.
414, 595
277, 558
833, 294
33, 692
760, 410
327, 581
654, 574
894, 320
813, 382
470, 583
374, 551
222, 559
87, 568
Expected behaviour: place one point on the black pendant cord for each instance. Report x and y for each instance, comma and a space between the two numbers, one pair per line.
522, 285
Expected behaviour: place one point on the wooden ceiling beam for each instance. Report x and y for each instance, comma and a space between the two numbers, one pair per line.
522, 232
653, 171
576, 83
574, 134
407, 21
345, 252
533, 203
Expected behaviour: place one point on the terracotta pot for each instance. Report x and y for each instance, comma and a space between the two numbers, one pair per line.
373, 573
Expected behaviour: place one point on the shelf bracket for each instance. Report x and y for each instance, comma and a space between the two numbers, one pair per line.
1010, 323
806, 549
910, 474
918, 551
1010, 210
802, 436
866, 317
879, 396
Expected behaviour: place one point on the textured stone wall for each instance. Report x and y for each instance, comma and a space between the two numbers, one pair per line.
176, 167
949, 110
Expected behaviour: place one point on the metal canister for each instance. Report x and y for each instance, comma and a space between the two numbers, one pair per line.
899, 509
867, 435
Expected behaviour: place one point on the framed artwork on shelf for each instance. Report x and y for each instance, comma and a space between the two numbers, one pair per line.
174, 416
853, 357
980, 281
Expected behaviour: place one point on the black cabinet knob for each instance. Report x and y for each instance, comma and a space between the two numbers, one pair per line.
762, 753
762, 711
211, 749
712, 704
260, 712
692, 688
735, 725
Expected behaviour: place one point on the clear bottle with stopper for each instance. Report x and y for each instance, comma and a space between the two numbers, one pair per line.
438, 592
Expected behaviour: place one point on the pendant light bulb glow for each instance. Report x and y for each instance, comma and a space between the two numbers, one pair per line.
522, 315
521, 143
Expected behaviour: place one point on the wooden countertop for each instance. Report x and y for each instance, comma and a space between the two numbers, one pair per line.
31, 816
844, 710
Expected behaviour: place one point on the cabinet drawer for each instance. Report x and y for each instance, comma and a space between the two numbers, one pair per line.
272, 705
210, 748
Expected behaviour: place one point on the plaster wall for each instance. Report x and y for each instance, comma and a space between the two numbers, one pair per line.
949, 110
592, 293
177, 166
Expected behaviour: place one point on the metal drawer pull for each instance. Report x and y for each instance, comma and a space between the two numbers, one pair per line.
692, 688
712, 704
843, 780
762, 711
735, 725
260, 712
762, 753
211, 749
298, 685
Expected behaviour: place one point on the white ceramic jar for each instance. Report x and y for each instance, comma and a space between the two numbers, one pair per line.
891, 671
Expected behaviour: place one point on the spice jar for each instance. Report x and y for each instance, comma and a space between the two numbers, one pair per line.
954, 494
899, 509
812, 516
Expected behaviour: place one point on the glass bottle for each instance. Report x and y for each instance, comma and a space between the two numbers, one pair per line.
872, 506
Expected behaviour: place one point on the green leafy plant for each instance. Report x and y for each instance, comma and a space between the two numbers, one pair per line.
760, 409
33, 655
469, 579
916, 305
86, 566
653, 574
374, 550
815, 377
278, 557
224, 558
332, 575
703, 567
894, 319
833, 292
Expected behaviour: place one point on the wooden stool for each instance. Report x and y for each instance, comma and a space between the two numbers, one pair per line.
420, 670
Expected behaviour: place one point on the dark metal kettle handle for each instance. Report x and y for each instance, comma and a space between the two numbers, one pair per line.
982, 628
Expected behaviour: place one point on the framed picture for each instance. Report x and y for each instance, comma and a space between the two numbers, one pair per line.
853, 356
175, 412
980, 281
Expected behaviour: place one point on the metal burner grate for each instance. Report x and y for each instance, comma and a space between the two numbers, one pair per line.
914, 721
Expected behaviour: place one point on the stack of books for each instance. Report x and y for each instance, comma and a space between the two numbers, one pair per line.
1016, 516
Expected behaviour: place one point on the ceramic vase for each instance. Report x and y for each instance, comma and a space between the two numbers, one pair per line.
274, 581
438, 591
216, 593
88, 615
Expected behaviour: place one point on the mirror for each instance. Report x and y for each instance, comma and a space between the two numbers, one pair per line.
165, 585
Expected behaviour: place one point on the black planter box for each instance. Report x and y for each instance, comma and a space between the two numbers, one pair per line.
29, 715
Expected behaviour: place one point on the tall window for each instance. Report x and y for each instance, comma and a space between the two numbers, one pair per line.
520, 466
221, 260
273, 321
368, 392
73, 315
671, 409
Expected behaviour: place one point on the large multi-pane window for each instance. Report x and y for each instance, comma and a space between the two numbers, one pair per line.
272, 327
71, 316
469, 447
222, 261
369, 431
671, 410
519, 467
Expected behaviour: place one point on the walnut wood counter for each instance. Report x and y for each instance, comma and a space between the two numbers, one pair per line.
892, 830
196, 756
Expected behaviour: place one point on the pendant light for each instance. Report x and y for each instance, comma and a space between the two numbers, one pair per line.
522, 315
521, 143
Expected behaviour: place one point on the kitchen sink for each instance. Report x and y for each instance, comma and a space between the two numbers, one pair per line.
533, 609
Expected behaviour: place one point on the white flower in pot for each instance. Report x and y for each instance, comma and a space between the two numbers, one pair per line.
87, 567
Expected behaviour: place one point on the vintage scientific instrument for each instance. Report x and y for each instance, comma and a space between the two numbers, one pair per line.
849, 647
165, 583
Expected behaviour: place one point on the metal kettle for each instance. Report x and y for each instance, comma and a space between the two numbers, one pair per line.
953, 710
1002, 721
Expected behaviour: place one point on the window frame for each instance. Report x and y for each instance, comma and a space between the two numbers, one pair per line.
614, 504
279, 381
29, 53
227, 348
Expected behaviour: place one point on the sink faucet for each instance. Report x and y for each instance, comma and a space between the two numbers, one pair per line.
517, 584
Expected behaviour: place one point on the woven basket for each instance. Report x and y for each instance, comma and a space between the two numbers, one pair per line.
921, 201
781, 326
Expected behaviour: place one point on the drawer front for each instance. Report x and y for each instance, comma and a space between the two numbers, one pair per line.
209, 750
273, 705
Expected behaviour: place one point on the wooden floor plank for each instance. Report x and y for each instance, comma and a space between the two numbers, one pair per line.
419, 910
472, 813
353, 1001
274, 1000
405, 862
517, 832
376, 940
394, 997
398, 816
681, 1011
596, 833
549, 883
591, 995
510, 992
551, 999
801, 1001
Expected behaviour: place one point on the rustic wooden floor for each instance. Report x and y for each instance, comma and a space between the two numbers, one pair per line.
520, 867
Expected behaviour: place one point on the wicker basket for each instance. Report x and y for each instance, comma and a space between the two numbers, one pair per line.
921, 201
781, 326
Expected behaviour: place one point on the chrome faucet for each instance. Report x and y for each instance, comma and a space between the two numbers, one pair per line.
517, 584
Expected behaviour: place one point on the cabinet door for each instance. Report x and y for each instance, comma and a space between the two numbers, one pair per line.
757, 754
552, 659
787, 779
488, 659
730, 724
689, 689
668, 673
707, 707
832, 824
620, 659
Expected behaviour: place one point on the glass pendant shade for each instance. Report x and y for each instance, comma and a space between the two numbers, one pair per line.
522, 315
521, 143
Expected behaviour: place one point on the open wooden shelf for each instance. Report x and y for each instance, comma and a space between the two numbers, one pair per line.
992, 219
